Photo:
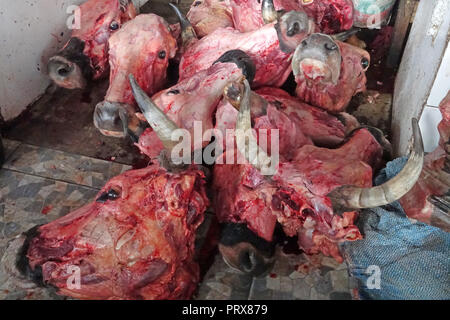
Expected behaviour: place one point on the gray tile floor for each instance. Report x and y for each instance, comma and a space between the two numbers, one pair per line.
38, 185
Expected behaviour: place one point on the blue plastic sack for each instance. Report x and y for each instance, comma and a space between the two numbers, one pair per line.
398, 258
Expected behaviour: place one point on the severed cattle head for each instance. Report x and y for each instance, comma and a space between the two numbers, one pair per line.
329, 72
85, 56
209, 15
136, 241
143, 47
292, 26
315, 195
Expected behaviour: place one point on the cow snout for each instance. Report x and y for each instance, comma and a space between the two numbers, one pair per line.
244, 251
318, 58
65, 73
118, 120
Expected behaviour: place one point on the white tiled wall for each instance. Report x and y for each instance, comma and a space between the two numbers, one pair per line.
431, 115
30, 32
429, 120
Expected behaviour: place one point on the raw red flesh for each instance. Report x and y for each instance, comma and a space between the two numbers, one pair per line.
298, 123
434, 180
207, 16
352, 80
139, 246
296, 195
193, 99
247, 14
135, 49
272, 65
332, 16
96, 18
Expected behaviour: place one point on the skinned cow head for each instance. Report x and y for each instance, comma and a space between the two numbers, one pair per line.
329, 72
136, 241
194, 100
292, 26
143, 47
209, 15
314, 195
85, 56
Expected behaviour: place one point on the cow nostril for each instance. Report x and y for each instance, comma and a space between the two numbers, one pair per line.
246, 261
330, 46
63, 71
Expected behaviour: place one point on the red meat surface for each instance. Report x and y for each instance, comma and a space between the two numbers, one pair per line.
298, 123
138, 245
96, 17
143, 48
332, 16
262, 45
193, 99
296, 195
207, 16
336, 97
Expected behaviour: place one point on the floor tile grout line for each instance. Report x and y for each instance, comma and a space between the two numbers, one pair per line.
251, 289
54, 179
13, 151
65, 152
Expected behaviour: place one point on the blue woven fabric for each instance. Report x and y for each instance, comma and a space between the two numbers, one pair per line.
411, 259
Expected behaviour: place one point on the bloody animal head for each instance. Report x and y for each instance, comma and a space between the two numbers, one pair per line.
194, 99
318, 59
315, 194
292, 26
85, 56
136, 241
329, 72
209, 15
143, 47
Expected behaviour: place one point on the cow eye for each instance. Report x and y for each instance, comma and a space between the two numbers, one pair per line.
162, 54
111, 194
197, 3
364, 63
114, 25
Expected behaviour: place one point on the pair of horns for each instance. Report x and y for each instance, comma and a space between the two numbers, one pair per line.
345, 197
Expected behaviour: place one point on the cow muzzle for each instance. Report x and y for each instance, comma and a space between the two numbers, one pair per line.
317, 59
292, 28
244, 251
118, 120
65, 73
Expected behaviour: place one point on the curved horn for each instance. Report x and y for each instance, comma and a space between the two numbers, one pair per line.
245, 140
343, 36
158, 120
187, 31
269, 14
348, 197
